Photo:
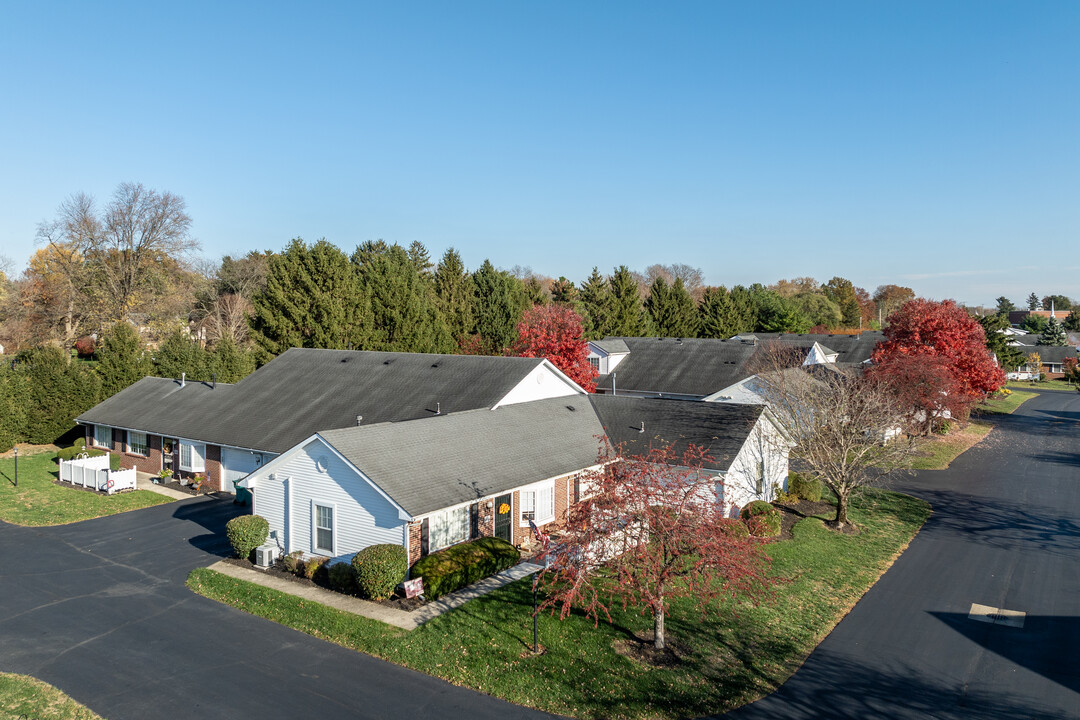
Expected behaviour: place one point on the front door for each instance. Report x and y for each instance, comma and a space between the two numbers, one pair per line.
502, 517
168, 454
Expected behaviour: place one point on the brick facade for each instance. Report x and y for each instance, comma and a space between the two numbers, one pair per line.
151, 462
414, 542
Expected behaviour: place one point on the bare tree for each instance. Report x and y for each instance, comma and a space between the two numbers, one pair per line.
844, 424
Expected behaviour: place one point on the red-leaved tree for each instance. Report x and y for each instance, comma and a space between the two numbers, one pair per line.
925, 386
650, 530
924, 328
555, 332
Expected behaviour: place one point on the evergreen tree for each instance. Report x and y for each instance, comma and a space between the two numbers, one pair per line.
499, 307
627, 317
1053, 334
403, 313
1033, 323
14, 401
818, 309
181, 355
1033, 302
778, 314
563, 292
122, 359
312, 299
744, 310
716, 314
455, 294
671, 310
421, 261
1004, 306
595, 298
534, 292
1008, 357
56, 392
229, 362
1072, 323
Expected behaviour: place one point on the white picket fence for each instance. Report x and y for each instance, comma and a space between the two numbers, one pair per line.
94, 472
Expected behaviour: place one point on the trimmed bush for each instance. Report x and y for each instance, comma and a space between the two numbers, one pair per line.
310, 568
761, 518
734, 528
341, 577
379, 569
807, 488
460, 565
246, 533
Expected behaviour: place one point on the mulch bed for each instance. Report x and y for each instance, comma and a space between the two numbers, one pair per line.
398, 602
640, 647
59, 483
793, 511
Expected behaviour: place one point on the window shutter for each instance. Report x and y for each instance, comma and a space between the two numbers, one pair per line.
474, 521
423, 537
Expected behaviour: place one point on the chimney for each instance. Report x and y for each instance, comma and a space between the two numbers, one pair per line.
183, 379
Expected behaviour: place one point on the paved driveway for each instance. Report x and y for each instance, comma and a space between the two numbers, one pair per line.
1005, 533
100, 610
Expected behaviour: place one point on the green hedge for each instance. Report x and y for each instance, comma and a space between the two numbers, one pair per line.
460, 565
379, 569
761, 518
79, 447
803, 487
245, 533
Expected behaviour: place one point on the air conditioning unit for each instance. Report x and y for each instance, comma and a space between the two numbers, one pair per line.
266, 555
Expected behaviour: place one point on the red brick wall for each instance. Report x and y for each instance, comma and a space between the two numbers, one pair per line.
151, 462
486, 518
213, 466
414, 542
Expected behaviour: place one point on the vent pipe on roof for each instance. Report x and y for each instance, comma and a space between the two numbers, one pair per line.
438, 409
642, 427
359, 419
613, 383
213, 381
183, 379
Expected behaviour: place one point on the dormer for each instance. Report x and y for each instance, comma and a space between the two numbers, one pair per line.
606, 354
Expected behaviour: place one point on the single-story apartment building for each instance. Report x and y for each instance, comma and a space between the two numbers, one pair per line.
431, 483
225, 431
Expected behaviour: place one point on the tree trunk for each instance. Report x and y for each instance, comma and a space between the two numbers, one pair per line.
658, 622
841, 510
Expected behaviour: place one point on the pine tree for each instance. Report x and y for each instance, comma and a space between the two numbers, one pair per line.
1033, 301
403, 313
671, 310
421, 261
997, 342
1004, 306
454, 291
628, 317
778, 314
311, 299
744, 310
499, 307
1053, 334
122, 359
563, 292
179, 355
229, 362
595, 298
716, 314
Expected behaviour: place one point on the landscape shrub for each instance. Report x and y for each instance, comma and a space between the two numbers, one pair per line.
310, 568
293, 561
342, 577
806, 488
460, 565
761, 518
379, 569
246, 533
942, 427
734, 528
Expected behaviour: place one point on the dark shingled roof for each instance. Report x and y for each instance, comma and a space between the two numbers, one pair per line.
611, 345
849, 348
304, 390
440, 462
691, 366
720, 428
1050, 353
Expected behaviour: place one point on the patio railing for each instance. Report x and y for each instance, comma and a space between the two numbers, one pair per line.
94, 472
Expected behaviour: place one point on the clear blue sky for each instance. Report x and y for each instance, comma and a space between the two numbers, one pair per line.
931, 144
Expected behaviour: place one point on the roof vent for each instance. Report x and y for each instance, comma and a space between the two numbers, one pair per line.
642, 427
438, 409
571, 408
344, 359
387, 362
359, 419
435, 365
213, 381
183, 379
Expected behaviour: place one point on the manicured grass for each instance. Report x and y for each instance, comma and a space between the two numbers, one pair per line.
1003, 404
1045, 385
727, 659
22, 696
38, 501
937, 453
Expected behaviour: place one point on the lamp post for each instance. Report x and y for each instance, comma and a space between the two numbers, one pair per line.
16, 466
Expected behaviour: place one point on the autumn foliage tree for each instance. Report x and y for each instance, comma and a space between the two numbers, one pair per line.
925, 328
555, 332
651, 530
925, 387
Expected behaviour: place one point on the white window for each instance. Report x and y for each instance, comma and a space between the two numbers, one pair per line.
448, 527
322, 517
137, 443
192, 457
595, 362
538, 504
103, 436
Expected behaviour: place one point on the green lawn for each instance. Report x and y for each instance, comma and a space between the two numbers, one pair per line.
23, 697
38, 501
1046, 385
729, 660
938, 452
1003, 405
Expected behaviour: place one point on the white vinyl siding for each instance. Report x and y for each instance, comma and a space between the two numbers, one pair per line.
362, 516
322, 528
103, 436
192, 457
137, 443
448, 527
538, 504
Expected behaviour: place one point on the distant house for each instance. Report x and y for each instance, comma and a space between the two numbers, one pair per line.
432, 483
227, 431
1052, 358
1016, 317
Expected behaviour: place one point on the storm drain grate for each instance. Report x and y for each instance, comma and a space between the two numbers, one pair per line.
996, 616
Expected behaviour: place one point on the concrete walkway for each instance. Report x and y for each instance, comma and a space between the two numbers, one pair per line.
407, 620
144, 481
